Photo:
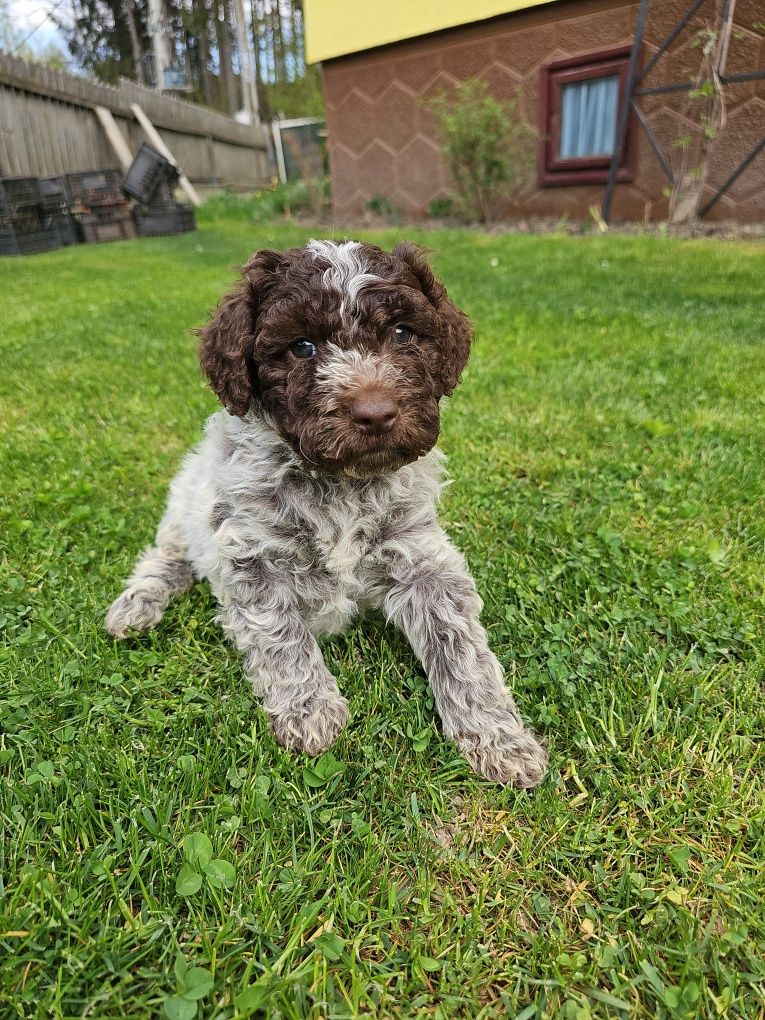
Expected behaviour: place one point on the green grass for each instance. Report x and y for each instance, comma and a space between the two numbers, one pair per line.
608, 450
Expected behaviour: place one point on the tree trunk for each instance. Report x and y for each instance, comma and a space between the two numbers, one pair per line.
223, 30
135, 43
256, 31
279, 55
202, 30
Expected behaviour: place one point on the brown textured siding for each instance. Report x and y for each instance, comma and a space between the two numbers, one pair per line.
383, 141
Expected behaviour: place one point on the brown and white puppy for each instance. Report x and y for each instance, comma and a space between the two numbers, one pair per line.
349, 350
312, 496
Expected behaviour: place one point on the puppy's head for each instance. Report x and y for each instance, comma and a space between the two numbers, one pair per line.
344, 348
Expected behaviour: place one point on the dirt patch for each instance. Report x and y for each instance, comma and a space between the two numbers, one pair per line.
726, 231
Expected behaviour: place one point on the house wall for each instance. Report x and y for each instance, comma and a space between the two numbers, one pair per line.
383, 140
334, 28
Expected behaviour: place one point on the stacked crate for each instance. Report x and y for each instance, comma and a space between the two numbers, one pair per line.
101, 209
56, 208
152, 180
22, 223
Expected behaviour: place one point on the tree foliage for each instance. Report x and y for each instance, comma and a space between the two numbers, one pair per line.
98, 37
16, 41
204, 42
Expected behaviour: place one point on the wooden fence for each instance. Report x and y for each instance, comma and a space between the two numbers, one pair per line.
48, 126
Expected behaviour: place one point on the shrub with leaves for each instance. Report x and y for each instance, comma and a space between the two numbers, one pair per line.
488, 146
278, 200
441, 207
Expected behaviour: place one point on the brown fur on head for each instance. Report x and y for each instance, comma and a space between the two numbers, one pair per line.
345, 348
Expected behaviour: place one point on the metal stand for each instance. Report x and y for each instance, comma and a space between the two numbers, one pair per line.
632, 92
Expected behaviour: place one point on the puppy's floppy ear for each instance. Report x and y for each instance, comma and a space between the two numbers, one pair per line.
458, 332
225, 352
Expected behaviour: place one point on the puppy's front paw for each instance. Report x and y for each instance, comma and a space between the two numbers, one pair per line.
134, 611
311, 726
504, 753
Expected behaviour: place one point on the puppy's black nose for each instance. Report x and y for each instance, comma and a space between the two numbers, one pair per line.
374, 412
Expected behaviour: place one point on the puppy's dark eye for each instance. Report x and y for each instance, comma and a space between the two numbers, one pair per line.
303, 349
403, 333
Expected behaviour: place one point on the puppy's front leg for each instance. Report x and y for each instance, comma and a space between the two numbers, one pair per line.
432, 597
282, 660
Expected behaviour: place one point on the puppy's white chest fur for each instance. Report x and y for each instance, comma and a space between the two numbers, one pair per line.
253, 502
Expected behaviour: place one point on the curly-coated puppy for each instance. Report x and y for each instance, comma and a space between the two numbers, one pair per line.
312, 496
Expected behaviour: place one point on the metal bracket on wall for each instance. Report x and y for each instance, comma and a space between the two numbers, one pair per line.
632, 92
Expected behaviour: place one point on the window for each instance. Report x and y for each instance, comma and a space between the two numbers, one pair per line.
579, 100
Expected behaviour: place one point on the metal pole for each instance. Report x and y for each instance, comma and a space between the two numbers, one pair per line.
736, 173
624, 110
670, 38
655, 146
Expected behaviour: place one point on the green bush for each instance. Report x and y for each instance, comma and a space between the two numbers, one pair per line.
380, 206
488, 146
441, 207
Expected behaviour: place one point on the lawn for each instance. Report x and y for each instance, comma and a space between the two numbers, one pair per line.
608, 451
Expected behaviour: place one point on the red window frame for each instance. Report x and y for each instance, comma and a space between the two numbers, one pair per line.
553, 170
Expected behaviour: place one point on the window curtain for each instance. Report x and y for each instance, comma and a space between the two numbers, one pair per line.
588, 118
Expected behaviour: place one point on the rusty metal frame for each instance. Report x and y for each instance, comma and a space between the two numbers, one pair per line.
633, 92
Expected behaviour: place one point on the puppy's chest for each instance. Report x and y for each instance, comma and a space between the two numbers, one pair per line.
337, 538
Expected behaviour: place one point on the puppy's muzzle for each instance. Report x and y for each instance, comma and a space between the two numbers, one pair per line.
374, 412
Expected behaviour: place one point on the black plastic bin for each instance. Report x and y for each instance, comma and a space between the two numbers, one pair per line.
147, 172
62, 221
110, 224
65, 223
158, 222
164, 194
54, 193
16, 241
18, 193
95, 188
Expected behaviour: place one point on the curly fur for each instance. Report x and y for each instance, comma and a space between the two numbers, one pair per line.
301, 521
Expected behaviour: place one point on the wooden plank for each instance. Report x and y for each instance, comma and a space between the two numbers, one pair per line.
66, 137
23, 163
156, 140
115, 136
48, 138
6, 139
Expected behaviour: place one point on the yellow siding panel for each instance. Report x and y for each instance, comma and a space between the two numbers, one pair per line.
336, 27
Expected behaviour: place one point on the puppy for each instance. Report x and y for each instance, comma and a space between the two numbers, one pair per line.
312, 497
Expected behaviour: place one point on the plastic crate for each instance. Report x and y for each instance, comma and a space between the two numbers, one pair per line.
148, 171
17, 193
158, 222
112, 224
164, 195
55, 216
66, 226
26, 219
19, 242
54, 193
95, 188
